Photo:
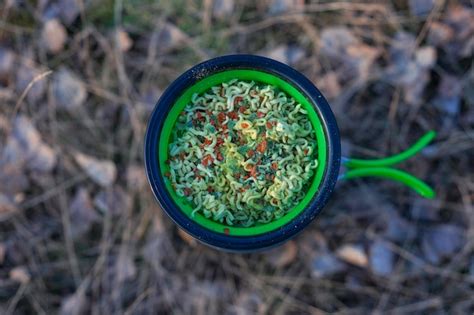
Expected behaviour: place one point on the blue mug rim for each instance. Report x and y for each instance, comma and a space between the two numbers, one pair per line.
233, 62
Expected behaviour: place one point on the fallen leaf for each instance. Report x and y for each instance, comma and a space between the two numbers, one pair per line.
421, 7
326, 265
13, 179
136, 178
123, 39
115, 201
103, 172
426, 56
381, 258
20, 274
169, 37
39, 156
335, 40
286, 54
223, 9
68, 90
44, 159
53, 36
442, 242
425, 209
82, 213
360, 58
125, 267
448, 98
7, 206
74, 304
7, 59
353, 254
284, 6
398, 229
282, 256
329, 85
440, 34
248, 302
68, 10
24, 75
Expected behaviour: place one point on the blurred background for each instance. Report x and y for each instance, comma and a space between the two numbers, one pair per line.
80, 232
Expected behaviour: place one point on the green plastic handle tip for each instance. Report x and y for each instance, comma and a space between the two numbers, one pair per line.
395, 159
390, 173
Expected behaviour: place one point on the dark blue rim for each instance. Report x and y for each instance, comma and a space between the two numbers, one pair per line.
232, 62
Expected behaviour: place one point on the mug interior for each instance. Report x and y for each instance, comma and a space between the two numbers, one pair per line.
205, 84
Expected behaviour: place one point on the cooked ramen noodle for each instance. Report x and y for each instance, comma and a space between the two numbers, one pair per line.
242, 153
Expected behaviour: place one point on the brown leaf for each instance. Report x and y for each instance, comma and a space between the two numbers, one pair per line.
286, 54
223, 9
326, 265
381, 258
123, 39
440, 34
20, 274
12, 179
335, 40
114, 200
103, 172
426, 56
7, 206
53, 36
136, 178
282, 256
40, 157
353, 254
74, 304
82, 213
7, 59
169, 37
329, 85
68, 90
125, 267
24, 75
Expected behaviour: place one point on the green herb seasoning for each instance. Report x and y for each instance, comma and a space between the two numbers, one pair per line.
242, 153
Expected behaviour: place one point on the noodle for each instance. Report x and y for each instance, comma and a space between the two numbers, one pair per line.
242, 153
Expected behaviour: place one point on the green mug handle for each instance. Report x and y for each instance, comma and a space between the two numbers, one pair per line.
381, 167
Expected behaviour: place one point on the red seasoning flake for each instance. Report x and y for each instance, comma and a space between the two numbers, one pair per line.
210, 189
253, 171
187, 191
262, 146
168, 174
250, 153
233, 115
181, 155
219, 156
224, 127
275, 166
269, 125
207, 141
242, 109
207, 160
237, 99
306, 151
245, 125
260, 114
219, 141
221, 117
